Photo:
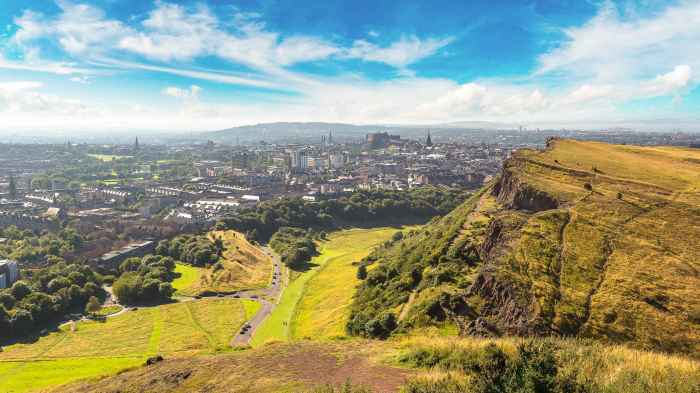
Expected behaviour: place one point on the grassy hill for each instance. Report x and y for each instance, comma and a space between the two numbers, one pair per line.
582, 239
412, 365
90, 349
242, 266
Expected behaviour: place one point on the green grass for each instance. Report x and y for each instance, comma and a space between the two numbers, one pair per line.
108, 157
322, 311
189, 276
109, 310
101, 348
336, 254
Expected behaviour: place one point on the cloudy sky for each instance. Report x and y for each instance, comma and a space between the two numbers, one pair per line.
202, 65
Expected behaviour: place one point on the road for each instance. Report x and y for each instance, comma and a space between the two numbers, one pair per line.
267, 297
268, 301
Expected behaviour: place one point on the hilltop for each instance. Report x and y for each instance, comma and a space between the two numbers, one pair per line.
581, 239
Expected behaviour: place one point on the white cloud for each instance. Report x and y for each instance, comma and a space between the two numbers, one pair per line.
185, 94
22, 97
670, 83
404, 52
608, 48
587, 93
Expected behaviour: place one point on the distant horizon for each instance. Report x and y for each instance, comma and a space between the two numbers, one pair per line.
79, 65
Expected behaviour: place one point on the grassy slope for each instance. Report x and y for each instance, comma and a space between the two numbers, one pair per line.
279, 326
95, 348
322, 311
377, 364
244, 267
625, 270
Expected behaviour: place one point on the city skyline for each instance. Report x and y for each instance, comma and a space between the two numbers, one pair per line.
167, 66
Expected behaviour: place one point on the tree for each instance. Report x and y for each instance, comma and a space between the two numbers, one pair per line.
93, 305
20, 289
362, 272
127, 288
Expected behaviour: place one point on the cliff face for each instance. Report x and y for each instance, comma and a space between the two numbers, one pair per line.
582, 239
513, 193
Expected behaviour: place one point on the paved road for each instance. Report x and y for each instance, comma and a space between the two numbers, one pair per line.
268, 301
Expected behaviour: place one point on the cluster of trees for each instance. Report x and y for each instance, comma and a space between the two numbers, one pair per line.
26, 246
50, 294
197, 250
261, 222
145, 280
294, 245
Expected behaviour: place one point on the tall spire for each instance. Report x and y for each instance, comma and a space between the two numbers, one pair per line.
428, 141
136, 144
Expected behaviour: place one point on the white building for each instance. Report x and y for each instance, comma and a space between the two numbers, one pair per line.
9, 273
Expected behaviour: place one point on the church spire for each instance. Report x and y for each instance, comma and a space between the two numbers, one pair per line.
428, 141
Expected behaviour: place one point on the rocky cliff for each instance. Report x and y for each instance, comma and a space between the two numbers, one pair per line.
580, 239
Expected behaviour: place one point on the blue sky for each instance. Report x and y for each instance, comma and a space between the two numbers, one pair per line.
199, 65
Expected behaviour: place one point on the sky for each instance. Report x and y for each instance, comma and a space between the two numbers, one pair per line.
117, 65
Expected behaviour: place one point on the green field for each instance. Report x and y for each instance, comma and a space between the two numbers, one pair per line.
314, 303
189, 276
92, 349
108, 157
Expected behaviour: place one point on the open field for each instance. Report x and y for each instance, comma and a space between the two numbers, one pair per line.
384, 366
245, 266
329, 283
189, 277
108, 158
91, 349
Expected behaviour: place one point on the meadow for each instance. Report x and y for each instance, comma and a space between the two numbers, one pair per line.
314, 303
108, 157
89, 349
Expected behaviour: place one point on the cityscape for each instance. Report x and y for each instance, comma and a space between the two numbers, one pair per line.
273, 196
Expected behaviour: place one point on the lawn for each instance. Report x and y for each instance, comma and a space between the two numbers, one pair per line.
189, 276
245, 266
314, 303
92, 349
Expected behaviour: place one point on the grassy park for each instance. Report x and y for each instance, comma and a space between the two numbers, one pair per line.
89, 349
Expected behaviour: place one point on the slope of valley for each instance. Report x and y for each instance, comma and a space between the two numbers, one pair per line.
581, 239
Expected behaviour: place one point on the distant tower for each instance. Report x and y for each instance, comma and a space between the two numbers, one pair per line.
330, 137
136, 144
13, 188
428, 141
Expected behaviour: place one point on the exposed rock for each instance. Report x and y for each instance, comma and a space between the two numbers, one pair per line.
515, 194
153, 360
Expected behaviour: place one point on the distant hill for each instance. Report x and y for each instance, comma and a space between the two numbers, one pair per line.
304, 132
582, 239
299, 132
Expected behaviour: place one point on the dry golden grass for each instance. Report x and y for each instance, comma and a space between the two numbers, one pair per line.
245, 266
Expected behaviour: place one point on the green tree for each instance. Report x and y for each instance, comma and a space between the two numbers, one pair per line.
93, 305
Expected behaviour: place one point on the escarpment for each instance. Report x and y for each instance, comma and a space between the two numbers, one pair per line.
575, 240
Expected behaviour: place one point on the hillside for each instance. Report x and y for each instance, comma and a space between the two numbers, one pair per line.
242, 266
413, 365
582, 239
